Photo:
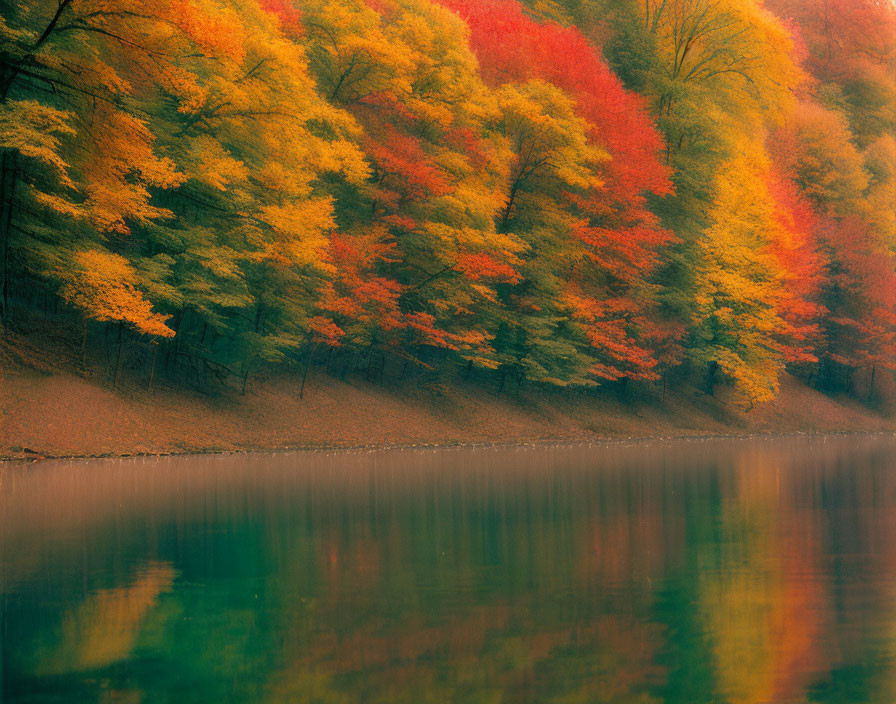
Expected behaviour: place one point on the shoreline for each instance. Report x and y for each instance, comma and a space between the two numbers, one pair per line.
32, 458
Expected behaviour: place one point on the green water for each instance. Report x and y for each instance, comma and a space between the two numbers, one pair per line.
741, 571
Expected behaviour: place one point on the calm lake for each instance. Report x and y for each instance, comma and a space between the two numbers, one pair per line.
740, 571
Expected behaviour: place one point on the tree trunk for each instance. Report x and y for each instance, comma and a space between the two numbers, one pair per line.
711, 377
179, 333
245, 379
382, 371
307, 364
118, 356
369, 363
84, 347
171, 342
348, 364
505, 216
871, 382
623, 388
152, 369
7, 195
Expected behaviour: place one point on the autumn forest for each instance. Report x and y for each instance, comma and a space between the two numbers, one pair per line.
565, 193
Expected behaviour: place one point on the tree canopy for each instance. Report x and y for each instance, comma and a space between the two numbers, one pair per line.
567, 191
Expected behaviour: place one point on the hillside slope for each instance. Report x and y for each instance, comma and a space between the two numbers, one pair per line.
47, 409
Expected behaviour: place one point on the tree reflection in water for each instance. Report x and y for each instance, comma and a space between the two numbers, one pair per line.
741, 571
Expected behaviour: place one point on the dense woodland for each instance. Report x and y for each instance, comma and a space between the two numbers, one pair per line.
561, 192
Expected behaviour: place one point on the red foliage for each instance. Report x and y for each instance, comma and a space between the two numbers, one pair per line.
464, 140
357, 296
797, 253
608, 325
844, 37
480, 266
514, 47
287, 13
402, 156
625, 252
424, 325
325, 330
406, 153
620, 237
864, 278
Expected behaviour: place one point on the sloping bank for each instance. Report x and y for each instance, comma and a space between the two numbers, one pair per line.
60, 414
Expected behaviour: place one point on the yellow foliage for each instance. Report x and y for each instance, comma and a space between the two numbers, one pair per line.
300, 228
351, 54
828, 166
34, 130
104, 287
739, 283
549, 138
737, 49
880, 160
59, 205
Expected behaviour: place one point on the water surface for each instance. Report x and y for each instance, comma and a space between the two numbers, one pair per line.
740, 571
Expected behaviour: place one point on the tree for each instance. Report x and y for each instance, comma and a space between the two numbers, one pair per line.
861, 294
850, 46
795, 244
78, 159
608, 240
751, 317
816, 150
418, 251
840, 150
249, 248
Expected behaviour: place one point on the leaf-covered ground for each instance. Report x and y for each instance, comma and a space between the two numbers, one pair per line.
48, 409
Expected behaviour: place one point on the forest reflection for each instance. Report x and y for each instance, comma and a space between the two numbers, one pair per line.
741, 571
